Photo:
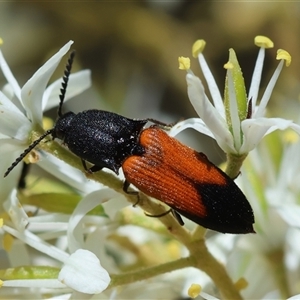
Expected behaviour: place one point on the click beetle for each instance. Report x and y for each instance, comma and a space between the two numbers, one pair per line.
158, 165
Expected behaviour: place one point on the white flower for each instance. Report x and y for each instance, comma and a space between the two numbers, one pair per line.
236, 122
81, 268
272, 256
83, 271
16, 211
22, 109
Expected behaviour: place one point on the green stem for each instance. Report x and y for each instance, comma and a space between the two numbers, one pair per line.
214, 269
131, 277
234, 164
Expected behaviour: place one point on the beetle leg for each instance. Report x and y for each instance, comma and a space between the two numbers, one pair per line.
175, 214
125, 189
159, 215
92, 169
95, 168
161, 124
85, 166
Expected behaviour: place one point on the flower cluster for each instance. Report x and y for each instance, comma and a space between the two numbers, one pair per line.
84, 240
21, 114
235, 121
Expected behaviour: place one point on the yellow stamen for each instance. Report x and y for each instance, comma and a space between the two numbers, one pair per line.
228, 66
263, 42
184, 63
1, 222
7, 242
282, 54
198, 47
194, 290
1, 41
1, 283
47, 123
241, 284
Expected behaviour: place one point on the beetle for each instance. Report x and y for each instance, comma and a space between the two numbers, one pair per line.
158, 165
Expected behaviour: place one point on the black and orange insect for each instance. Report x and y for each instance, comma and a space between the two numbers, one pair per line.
157, 164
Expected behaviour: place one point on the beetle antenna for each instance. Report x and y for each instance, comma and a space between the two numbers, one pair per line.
26, 151
64, 83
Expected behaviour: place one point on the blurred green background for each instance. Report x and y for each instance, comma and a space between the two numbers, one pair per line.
132, 49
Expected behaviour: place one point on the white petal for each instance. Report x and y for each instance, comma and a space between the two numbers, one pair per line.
10, 77
290, 213
288, 176
8, 91
13, 122
207, 112
34, 283
212, 85
292, 260
83, 272
14, 125
9, 150
5, 101
75, 234
35, 242
194, 123
255, 129
66, 173
114, 205
16, 211
33, 90
78, 83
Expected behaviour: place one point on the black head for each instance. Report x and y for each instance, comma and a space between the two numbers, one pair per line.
61, 123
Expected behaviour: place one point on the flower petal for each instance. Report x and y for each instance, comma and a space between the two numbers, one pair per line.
194, 123
66, 173
255, 129
36, 242
33, 90
83, 272
209, 114
16, 211
10, 77
75, 235
78, 82
10, 149
34, 283
13, 123
290, 214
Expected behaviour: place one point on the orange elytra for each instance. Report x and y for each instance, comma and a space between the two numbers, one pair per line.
188, 182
